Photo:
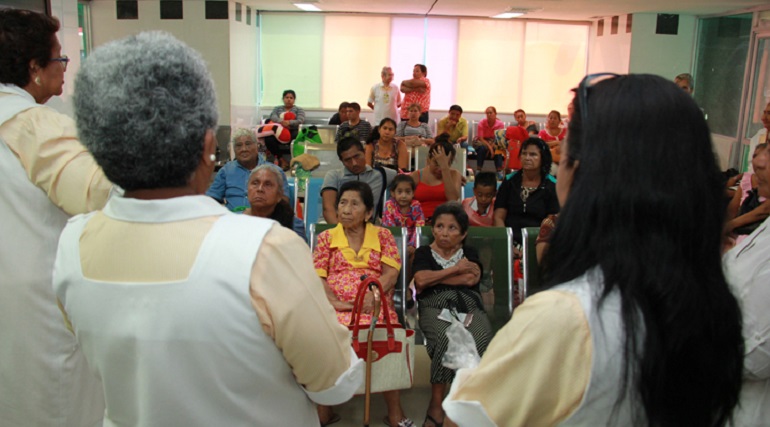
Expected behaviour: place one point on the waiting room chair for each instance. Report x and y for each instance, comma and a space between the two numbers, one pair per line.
529, 265
312, 210
327, 156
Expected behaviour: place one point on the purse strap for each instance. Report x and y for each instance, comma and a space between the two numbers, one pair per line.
358, 307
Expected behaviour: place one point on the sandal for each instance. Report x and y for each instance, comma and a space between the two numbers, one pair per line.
335, 418
432, 420
406, 422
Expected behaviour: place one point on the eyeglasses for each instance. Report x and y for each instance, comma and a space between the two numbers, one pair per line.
64, 60
586, 83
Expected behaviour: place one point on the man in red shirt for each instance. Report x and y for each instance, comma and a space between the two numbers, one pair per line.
417, 90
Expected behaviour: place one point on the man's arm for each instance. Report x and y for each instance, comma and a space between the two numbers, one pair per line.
413, 85
329, 197
217, 189
370, 101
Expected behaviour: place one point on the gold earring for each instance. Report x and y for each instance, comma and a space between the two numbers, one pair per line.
37, 81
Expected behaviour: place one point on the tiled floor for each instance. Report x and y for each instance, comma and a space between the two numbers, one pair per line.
414, 401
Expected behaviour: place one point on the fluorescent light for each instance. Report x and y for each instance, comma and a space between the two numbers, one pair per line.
508, 15
308, 7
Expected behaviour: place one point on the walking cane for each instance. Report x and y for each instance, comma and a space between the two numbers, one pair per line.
368, 386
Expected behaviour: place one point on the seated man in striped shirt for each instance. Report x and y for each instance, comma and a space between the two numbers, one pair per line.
354, 126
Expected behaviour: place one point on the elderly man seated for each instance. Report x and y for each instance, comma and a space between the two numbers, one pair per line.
229, 186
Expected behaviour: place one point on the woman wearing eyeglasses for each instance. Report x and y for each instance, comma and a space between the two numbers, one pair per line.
637, 326
47, 176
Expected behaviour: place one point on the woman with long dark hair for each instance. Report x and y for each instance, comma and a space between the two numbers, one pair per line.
383, 149
638, 326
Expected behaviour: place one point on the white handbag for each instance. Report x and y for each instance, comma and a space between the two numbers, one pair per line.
392, 347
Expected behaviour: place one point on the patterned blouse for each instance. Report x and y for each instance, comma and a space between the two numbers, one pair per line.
392, 217
342, 267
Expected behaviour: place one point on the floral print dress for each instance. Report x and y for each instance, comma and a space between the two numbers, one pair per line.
335, 261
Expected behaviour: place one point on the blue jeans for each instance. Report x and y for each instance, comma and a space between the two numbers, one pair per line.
483, 153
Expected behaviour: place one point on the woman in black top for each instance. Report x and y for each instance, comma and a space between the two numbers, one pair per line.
527, 196
447, 275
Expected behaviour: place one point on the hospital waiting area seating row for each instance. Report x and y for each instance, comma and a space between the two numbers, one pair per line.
494, 245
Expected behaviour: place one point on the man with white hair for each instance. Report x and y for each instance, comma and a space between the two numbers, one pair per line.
385, 98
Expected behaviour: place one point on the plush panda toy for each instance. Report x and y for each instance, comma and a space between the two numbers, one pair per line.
273, 130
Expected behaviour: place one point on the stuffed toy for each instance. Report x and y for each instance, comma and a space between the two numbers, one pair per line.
270, 129
306, 135
288, 115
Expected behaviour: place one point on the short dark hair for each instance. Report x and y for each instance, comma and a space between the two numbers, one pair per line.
289, 91
555, 112
456, 210
444, 137
423, 68
449, 149
398, 179
359, 187
519, 111
485, 179
24, 36
346, 144
343, 105
456, 108
532, 128
354, 105
545, 154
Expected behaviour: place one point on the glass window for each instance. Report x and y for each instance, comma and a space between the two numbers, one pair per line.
722, 48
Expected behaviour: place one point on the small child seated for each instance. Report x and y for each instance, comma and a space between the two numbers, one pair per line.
480, 208
401, 210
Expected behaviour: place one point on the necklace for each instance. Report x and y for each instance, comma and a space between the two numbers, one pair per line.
525, 192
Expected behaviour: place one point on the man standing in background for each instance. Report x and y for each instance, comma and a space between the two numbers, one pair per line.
417, 91
385, 98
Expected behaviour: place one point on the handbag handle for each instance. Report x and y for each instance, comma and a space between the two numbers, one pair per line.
366, 283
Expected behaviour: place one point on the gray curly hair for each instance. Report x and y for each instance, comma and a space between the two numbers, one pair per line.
243, 132
275, 170
143, 105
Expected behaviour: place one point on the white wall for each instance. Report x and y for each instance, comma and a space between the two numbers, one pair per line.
66, 11
210, 37
609, 52
244, 69
664, 55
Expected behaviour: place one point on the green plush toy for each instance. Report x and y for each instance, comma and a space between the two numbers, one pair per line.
306, 134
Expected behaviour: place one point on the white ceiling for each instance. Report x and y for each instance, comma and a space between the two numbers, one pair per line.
547, 9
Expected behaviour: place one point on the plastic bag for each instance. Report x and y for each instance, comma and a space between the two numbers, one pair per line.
461, 350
